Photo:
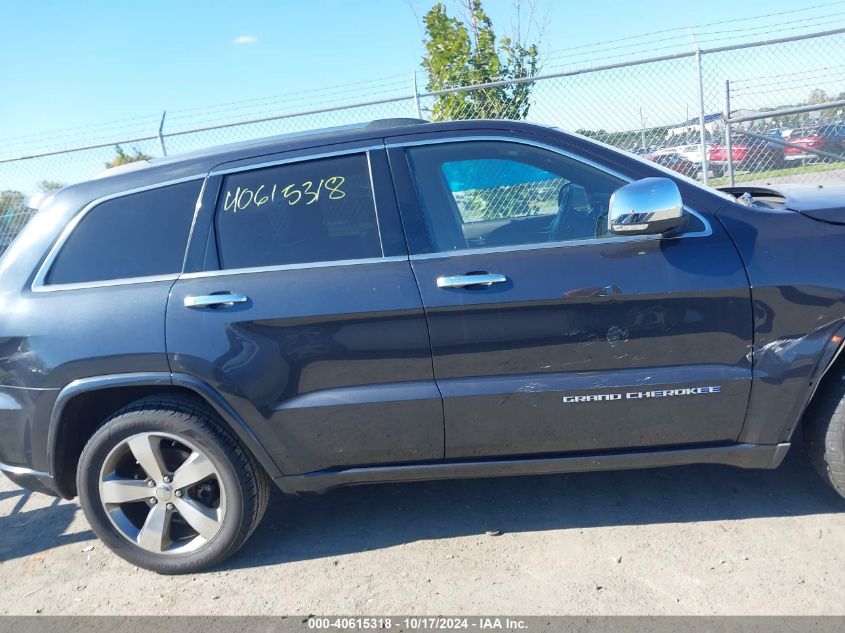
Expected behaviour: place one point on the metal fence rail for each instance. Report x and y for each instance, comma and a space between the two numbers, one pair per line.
765, 111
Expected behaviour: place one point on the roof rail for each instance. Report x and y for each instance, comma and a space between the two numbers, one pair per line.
378, 124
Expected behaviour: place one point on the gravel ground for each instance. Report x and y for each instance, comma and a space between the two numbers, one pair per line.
690, 540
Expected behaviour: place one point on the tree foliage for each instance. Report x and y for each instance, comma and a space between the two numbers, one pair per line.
466, 52
633, 139
816, 96
122, 157
49, 186
13, 215
11, 201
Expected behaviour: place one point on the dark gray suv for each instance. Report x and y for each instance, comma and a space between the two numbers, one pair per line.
399, 301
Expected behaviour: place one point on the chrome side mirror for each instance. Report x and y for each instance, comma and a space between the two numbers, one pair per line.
647, 206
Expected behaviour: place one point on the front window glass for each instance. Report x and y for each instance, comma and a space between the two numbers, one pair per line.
478, 194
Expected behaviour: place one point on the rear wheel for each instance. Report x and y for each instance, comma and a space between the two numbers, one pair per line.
166, 486
824, 432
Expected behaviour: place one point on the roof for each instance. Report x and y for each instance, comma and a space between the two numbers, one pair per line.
201, 161
329, 134
198, 163
709, 118
695, 121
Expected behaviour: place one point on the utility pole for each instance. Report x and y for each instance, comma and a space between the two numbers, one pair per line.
161, 134
416, 94
701, 116
642, 128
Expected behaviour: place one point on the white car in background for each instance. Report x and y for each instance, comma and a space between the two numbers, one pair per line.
691, 152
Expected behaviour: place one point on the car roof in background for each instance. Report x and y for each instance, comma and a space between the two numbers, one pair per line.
802, 131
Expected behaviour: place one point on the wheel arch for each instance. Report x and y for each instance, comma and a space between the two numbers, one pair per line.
831, 365
82, 405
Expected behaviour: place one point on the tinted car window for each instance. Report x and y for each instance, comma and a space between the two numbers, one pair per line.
479, 194
310, 211
495, 188
137, 235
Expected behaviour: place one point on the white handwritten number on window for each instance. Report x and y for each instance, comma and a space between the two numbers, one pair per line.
242, 198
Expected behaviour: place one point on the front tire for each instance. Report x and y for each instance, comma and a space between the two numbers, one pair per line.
824, 431
167, 487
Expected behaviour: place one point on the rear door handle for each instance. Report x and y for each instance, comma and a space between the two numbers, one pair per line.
461, 281
224, 299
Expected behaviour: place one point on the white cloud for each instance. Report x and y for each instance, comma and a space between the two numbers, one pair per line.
245, 39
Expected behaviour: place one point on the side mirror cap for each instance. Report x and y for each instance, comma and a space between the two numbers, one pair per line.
647, 206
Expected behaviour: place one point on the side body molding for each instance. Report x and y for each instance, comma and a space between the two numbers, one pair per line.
163, 379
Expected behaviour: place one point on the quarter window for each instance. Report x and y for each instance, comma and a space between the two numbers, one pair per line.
478, 194
310, 211
139, 235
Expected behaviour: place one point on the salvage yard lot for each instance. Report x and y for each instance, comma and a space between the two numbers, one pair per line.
696, 539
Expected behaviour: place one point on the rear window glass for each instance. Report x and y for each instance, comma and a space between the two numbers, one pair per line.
311, 211
138, 235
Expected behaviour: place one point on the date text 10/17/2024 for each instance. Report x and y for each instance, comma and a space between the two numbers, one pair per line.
418, 623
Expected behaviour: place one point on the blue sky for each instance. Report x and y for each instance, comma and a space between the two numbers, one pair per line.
71, 64
95, 72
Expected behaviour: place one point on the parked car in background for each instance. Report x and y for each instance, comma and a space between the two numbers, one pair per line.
676, 162
778, 132
748, 154
827, 138
692, 152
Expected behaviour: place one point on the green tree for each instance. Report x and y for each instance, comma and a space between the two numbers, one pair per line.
11, 201
465, 53
49, 186
13, 216
817, 96
121, 157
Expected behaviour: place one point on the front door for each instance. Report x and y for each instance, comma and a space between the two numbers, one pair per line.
550, 335
305, 314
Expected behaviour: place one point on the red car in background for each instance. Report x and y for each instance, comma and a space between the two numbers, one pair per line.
827, 138
748, 154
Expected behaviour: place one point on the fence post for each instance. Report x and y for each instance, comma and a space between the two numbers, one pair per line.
705, 167
416, 94
728, 139
161, 133
642, 129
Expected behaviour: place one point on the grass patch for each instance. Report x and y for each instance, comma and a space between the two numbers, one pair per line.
755, 176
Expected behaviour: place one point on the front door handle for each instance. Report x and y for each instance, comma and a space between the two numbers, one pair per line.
224, 300
462, 281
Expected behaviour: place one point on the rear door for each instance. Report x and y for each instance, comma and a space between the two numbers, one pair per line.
304, 313
548, 334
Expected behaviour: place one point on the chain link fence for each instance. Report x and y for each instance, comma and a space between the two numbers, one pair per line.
763, 112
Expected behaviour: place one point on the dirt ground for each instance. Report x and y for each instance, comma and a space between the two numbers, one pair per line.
690, 540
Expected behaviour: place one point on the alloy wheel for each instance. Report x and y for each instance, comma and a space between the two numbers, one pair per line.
162, 493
